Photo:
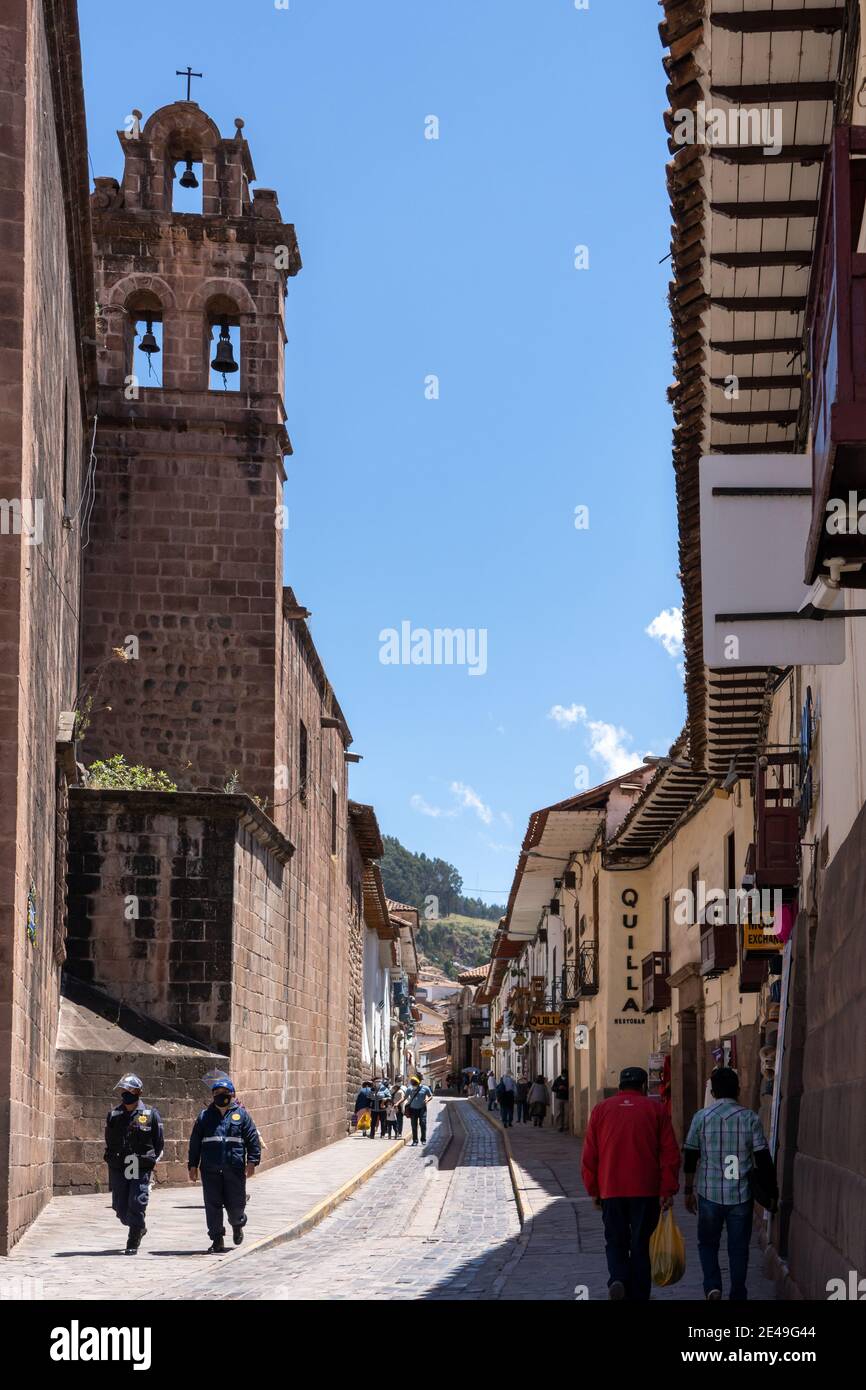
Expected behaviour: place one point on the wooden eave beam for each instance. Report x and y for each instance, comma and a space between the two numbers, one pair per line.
740, 347
795, 207
770, 92
770, 446
761, 383
760, 303
745, 418
750, 260
755, 154
780, 21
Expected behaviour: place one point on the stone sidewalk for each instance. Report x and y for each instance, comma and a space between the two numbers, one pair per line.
75, 1246
563, 1235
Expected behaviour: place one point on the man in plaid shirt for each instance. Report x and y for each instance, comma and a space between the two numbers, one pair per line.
725, 1144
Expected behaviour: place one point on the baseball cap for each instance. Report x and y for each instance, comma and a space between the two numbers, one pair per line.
633, 1076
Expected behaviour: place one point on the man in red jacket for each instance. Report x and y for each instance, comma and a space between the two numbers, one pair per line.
630, 1160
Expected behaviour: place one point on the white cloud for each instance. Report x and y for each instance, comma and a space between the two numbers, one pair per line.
567, 717
498, 848
466, 800
667, 628
609, 743
419, 804
469, 798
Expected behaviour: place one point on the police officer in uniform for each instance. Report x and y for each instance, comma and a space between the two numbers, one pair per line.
225, 1144
134, 1142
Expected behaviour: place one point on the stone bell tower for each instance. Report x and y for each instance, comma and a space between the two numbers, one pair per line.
183, 545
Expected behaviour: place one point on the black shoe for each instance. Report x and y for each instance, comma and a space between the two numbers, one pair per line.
134, 1239
616, 1291
218, 1247
237, 1234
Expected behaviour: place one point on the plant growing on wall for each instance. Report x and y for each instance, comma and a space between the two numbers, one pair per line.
116, 774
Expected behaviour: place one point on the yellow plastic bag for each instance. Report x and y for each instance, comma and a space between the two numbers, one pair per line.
363, 1120
667, 1251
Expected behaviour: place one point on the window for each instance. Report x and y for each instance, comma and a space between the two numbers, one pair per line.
303, 760
694, 877
730, 862
666, 925
595, 904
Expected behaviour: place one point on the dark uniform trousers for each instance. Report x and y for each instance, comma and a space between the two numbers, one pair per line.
223, 1188
129, 1197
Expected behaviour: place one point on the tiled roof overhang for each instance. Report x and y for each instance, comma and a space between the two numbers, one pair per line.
375, 904
741, 249
366, 829
672, 795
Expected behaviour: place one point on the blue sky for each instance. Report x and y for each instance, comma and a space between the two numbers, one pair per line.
455, 257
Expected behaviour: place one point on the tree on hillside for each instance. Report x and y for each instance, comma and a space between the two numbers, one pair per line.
413, 878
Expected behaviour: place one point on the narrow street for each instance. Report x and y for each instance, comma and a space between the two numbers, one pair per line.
435, 1222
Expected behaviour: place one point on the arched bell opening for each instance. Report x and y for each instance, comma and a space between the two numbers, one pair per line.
187, 181
223, 344
145, 345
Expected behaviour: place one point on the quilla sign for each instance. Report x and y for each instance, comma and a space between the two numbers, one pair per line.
545, 1022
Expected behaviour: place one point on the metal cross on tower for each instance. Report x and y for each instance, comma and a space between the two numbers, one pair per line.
189, 75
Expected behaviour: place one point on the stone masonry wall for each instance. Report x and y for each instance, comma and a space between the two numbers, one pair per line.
85, 1082
356, 930
41, 440
827, 1235
169, 857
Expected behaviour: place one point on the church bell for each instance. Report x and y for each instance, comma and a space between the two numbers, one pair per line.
148, 342
224, 361
188, 178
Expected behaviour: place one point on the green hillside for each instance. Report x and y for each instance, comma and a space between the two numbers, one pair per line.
430, 885
454, 942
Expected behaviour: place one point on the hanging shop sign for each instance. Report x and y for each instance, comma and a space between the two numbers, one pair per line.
487, 1052
759, 939
545, 1022
520, 1040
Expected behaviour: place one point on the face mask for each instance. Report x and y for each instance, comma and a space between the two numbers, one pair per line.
222, 1099
128, 1097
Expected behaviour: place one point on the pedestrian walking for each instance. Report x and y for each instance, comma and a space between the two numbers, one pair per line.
560, 1101
727, 1146
506, 1094
491, 1091
378, 1105
522, 1102
133, 1146
363, 1100
398, 1095
390, 1120
225, 1146
417, 1100
538, 1097
630, 1166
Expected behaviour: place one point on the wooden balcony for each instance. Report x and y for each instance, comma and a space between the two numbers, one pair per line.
777, 821
655, 969
836, 339
718, 948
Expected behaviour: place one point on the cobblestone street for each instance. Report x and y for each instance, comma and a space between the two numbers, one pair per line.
440, 1221
415, 1230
